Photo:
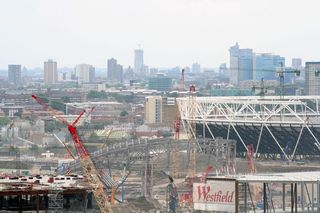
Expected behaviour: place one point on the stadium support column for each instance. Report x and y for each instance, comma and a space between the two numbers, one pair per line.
292, 198
302, 196
318, 196
284, 197
265, 199
295, 198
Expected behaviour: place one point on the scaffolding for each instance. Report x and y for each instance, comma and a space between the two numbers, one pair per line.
55, 201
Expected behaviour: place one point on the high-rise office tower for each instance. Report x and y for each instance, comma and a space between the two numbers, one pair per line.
296, 63
138, 62
265, 65
50, 72
85, 73
312, 79
115, 71
14, 73
196, 68
241, 64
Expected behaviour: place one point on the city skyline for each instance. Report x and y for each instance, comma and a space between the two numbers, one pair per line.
171, 33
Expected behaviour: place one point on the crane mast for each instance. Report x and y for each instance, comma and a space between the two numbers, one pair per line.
87, 165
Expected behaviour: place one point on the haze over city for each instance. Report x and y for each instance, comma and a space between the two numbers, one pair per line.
172, 33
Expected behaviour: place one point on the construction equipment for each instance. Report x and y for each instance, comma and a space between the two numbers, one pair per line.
107, 135
255, 188
205, 174
191, 176
281, 73
10, 129
192, 133
87, 165
171, 195
177, 125
177, 122
262, 87
65, 146
250, 161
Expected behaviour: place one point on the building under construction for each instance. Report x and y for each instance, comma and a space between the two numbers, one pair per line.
30, 193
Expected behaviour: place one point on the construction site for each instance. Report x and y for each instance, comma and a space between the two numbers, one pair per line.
228, 154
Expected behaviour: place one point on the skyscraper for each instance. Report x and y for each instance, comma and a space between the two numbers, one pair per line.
296, 63
14, 73
241, 64
138, 62
85, 73
115, 71
312, 83
196, 68
265, 65
50, 72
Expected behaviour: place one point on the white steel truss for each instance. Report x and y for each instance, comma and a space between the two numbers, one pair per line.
298, 111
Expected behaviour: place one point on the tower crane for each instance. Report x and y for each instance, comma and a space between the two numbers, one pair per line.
177, 122
177, 125
205, 174
250, 160
262, 87
87, 165
171, 195
280, 73
192, 146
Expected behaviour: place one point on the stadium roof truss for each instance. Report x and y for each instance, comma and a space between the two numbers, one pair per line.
264, 114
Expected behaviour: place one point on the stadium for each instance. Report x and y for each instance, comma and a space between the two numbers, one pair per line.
287, 127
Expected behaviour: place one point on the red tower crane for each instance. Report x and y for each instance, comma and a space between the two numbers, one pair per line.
177, 123
89, 170
250, 161
206, 173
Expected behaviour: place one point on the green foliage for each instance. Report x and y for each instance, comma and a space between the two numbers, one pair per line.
43, 97
123, 98
123, 113
4, 121
103, 95
95, 94
65, 99
167, 134
57, 105
13, 149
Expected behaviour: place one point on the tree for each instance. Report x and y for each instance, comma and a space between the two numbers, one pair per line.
95, 94
57, 105
13, 150
4, 121
65, 99
123, 113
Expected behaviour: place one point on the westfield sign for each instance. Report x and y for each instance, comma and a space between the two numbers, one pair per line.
214, 195
205, 194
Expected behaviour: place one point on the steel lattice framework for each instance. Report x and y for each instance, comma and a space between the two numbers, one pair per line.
288, 126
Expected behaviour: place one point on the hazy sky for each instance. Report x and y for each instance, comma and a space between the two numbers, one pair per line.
171, 32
